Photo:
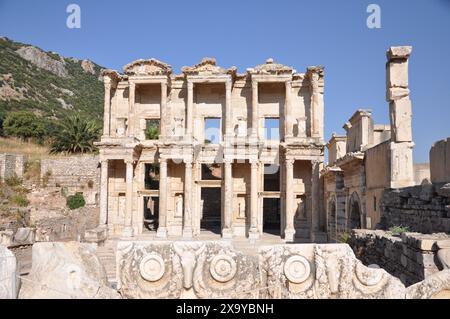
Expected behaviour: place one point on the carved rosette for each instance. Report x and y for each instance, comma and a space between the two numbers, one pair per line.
225, 273
149, 271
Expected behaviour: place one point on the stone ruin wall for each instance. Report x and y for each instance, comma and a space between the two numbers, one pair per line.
410, 257
440, 161
74, 174
11, 164
424, 208
212, 269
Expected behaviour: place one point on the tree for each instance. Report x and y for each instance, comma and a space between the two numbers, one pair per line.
75, 135
23, 124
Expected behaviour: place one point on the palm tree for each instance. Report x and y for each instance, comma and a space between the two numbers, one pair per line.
75, 135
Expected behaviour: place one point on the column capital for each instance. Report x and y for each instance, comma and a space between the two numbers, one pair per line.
128, 161
190, 84
289, 161
254, 84
132, 84
162, 160
227, 161
187, 163
104, 161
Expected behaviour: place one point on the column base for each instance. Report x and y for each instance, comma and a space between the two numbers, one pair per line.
161, 232
128, 232
289, 235
227, 233
253, 234
187, 233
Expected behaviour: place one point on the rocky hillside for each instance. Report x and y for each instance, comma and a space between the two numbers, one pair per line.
48, 84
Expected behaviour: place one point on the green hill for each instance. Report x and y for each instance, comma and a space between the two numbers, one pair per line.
48, 84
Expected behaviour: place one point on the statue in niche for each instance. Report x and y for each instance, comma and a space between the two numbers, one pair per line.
301, 127
300, 213
241, 130
150, 206
121, 127
179, 206
179, 129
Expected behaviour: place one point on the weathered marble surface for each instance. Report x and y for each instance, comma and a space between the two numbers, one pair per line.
66, 271
8, 266
185, 269
215, 270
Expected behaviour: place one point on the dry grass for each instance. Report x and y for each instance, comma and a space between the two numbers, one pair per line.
17, 146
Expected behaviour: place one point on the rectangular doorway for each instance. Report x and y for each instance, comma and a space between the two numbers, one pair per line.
271, 216
211, 209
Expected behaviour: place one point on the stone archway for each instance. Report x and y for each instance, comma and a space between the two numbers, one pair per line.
355, 214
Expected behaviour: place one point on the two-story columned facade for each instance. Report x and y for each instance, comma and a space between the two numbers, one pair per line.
212, 149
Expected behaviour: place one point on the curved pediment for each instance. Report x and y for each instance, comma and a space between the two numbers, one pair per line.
272, 68
111, 74
207, 66
147, 67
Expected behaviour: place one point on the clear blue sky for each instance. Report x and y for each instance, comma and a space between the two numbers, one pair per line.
245, 33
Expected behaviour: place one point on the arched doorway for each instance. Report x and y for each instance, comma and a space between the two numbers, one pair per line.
354, 208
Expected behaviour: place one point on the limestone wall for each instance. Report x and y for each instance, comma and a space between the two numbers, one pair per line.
440, 161
74, 174
410, 257
424, 208
11, 164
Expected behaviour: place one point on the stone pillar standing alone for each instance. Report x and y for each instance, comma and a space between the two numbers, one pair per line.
397, 94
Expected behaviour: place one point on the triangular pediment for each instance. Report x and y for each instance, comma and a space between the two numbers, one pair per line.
147, 67
207, 66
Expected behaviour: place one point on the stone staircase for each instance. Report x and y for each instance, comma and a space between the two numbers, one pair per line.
107, 256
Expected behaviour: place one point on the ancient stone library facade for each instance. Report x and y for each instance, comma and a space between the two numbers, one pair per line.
237, 154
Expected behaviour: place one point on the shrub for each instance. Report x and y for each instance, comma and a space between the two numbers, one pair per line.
13, 181
46, 178
23, 124
75, 135
20, 200
398, 230
344, 238
76, 201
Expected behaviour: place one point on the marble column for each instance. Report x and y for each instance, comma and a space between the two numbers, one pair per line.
253, 233
128, 229
163, 111
288, 110
190, 108
162, 222
228, 205
289, 232
315, 200
187, 218
107, 108
255, 115
228, 108
131, 110
103, 193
